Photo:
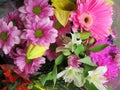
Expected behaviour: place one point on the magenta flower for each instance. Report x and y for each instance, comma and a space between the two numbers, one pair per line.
9, 36
94, 16
73, 61
51, 55
25, 65
41, 33
61, 29
51, 52
106, 58
33, 8
15, 19
117, 59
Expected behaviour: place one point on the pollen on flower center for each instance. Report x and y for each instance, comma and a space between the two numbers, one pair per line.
38, 33
3, 36
58, 25
37, 10
87, 20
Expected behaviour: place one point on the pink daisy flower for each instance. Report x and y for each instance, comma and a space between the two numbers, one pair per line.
94, 16
33, 8
15, 19
9, 36
73, 61
41, 33
61, 29
25, 65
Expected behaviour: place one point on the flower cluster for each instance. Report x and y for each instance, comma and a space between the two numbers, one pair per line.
64, 41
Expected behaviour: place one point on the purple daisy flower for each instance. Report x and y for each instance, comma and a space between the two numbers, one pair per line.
41, 33
73, 61
33, 8
61, 29
9, 36
25, 65
16, 20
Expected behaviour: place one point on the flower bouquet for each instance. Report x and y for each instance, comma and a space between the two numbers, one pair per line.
58, 45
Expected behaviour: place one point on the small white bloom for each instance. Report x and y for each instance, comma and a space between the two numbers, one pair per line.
97, 77
75, 40
71, 74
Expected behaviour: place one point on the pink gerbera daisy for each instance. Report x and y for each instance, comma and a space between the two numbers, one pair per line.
9, 36
25, 65
33, 8
94, 16
41, 33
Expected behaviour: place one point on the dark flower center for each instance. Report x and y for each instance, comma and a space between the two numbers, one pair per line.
53, 47
86, 19
37, 10
38, 33
28, 60
58, 25
3, 36
14, 23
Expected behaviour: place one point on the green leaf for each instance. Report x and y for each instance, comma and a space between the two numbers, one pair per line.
87, 60
43, 79
62, 16
84, 35
90, 86
50, 76
79, 50
92, 40
86, 69
12, 86
54, 74
98, 48
35, 86
59, 59
109, 88
66, 52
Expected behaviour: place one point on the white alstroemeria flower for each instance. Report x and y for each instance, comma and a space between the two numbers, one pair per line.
97, 77
71, 74
75, 40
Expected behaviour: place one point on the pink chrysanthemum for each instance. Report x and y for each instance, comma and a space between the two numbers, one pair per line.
15, 19
61, 29
41, 33
9, 36
33, 8
94, 16
73, 61
25, 65
106, 57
